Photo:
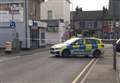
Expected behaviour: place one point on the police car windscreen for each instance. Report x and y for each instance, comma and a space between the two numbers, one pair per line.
70, 41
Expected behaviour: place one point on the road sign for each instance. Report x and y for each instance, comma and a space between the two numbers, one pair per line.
35, 24
12, 24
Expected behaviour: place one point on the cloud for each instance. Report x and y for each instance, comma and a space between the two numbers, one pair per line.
89, 4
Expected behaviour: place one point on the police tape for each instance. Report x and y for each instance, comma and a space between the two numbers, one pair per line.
57, 39
45, 39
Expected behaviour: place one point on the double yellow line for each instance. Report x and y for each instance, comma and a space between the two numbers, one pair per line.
84, 71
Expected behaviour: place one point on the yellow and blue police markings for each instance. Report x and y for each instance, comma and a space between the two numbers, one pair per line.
77, 48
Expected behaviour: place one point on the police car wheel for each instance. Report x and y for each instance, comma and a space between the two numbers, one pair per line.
65, 53
57, 55
96, 54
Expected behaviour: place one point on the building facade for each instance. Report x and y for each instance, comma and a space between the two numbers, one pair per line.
104, 24
87, 22
57, 15
20, 17
56, 9
114, 7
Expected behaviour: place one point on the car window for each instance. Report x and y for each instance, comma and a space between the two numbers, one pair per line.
92, 41
70, 41
88, 41
97, 41
118, 41
80, 41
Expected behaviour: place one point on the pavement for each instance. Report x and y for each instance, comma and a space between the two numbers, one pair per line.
103, 71
24, 52
14, 55
118, 65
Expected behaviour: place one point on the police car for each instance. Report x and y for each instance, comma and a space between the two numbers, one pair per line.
78, 47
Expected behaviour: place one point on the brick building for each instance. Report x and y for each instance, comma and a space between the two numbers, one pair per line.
99, 23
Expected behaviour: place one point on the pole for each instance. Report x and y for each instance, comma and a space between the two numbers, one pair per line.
114, 52
26, 19
14, 29
114, 58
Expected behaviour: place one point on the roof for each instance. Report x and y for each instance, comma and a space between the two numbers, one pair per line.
88, 15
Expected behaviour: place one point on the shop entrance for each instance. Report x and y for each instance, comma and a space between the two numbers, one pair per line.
34, 38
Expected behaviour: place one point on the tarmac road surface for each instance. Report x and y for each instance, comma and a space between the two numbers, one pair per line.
40, 67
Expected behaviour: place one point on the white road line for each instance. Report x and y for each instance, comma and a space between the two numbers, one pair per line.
83, 71
83, 80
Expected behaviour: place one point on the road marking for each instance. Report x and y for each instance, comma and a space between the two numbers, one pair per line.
84, 70
83, 80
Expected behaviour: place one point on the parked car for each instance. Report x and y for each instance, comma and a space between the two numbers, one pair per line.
79, 47
117, 45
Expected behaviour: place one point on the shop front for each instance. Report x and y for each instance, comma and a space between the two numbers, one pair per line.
37, 34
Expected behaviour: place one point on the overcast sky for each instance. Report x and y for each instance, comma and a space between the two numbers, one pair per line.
89, 4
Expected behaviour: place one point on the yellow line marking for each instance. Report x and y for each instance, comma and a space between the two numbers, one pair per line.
84, 70
83, 80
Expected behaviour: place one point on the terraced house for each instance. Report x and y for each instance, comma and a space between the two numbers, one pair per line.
101, 23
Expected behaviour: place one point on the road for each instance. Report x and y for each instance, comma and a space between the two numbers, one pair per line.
39, 67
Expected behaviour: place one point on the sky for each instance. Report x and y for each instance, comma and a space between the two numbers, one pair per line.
87, 5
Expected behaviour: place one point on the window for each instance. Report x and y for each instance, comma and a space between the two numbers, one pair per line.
95, 24
82, 24
50, 16
52, 29
88, 41
79, 42
92, 41
52, 26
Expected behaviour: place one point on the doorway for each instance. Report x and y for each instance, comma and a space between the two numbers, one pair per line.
34, 38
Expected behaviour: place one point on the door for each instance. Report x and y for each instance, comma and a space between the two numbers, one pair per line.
78, 47
88, 45
34, 38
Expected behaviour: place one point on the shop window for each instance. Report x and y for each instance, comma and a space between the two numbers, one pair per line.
52, 29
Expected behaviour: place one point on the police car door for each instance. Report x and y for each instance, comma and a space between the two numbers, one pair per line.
88, 46
78, 47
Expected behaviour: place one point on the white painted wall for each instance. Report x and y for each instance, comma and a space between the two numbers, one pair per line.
60, 9
55, 37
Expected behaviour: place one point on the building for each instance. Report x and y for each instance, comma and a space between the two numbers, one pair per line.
98, 23
21, 17
56, 9
56, 13
114, 7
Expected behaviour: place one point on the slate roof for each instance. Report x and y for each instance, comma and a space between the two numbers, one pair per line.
88, 15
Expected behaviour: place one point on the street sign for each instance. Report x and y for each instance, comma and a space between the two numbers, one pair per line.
12, 24
35, 24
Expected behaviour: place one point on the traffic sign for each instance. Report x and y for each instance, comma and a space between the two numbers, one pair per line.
12, 24
35, 24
